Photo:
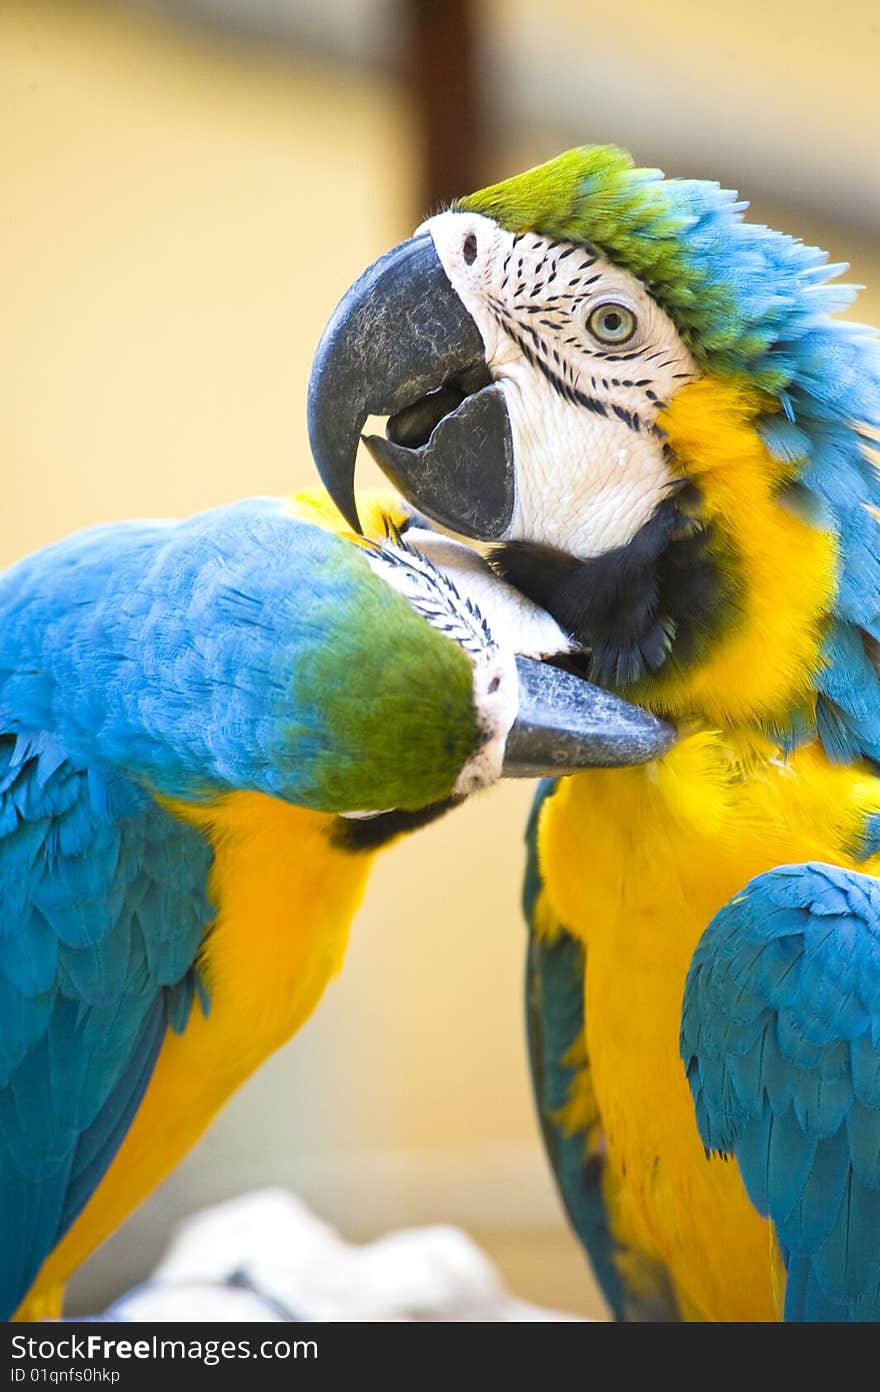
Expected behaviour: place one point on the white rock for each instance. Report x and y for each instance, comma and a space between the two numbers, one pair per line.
266, 1257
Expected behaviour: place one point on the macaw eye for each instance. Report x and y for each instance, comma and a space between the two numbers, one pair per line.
611, 323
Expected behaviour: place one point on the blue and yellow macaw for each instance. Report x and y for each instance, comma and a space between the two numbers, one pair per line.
185, 711
645, 404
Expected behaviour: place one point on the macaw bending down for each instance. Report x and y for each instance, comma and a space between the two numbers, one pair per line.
184, 710
644, 403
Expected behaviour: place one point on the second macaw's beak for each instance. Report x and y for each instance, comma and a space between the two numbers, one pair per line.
401, 344
565, 724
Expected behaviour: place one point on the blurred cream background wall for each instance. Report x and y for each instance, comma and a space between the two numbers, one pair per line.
180, 212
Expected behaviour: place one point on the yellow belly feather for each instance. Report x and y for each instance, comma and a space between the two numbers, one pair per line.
286, 899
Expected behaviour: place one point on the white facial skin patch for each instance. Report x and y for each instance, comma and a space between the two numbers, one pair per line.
516, 622
586, 361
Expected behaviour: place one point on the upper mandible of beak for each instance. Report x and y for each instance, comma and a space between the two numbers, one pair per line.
401, 344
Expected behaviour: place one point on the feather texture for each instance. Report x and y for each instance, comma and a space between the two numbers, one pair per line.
635, 1288
92, 966
777, 438
803, 1119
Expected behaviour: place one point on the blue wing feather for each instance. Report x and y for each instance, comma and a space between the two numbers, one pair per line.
99, 1142
103, 909
801, 1110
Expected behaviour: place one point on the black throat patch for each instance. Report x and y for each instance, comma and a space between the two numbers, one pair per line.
640, 608
371, 833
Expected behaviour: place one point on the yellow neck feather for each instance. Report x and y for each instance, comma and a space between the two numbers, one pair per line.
762, 667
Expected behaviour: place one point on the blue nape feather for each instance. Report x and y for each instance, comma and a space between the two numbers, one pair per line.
772, 326
777, 332
825, 373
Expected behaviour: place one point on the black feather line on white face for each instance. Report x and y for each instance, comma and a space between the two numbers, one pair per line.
546, 295
586, 360
433, 595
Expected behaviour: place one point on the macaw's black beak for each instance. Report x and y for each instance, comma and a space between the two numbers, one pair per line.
401, 344
565, 724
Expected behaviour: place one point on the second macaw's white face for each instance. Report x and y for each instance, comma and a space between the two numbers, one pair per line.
586, 360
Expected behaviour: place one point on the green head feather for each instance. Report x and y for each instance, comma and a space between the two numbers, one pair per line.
395, 696
743, 297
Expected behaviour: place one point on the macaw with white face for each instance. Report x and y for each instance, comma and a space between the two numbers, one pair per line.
644, 405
